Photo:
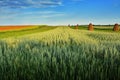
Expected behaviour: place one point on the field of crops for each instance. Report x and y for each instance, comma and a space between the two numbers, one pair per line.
6, 28
61, 54
14, 31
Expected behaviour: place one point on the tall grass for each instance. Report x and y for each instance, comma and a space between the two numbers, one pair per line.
61, 54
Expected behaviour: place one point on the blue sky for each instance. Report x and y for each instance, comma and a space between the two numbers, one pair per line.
59, 12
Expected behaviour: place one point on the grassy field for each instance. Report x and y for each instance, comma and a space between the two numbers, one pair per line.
60, 53
19, 32
104, 28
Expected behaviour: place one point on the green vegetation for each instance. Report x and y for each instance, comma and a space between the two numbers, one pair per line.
103, 28
61, 54
36, 29
82, 27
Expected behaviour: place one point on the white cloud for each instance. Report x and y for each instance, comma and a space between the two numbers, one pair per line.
29, 3
31, 15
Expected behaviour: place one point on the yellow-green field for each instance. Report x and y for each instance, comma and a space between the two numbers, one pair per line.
60, 53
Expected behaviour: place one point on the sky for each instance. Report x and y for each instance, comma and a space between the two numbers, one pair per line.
59, 12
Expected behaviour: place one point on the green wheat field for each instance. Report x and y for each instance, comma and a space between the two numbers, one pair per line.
60, 53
